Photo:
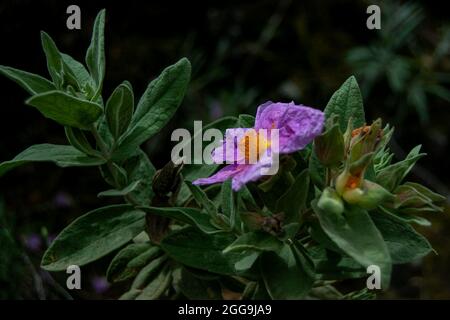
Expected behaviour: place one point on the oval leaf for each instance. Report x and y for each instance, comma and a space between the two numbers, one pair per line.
32, 83
347, 103
119, 109
156, 106
356, 235
61, 155
95, 55
65, 109
199, 250
92, 236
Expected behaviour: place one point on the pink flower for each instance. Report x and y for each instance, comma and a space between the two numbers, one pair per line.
297, 126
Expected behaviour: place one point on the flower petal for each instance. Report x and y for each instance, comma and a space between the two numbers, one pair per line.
220, 176
251, 172
298, 125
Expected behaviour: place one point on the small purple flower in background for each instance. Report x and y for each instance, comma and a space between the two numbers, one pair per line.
215, 110
99, 284
62, 200
33, 242
297, 126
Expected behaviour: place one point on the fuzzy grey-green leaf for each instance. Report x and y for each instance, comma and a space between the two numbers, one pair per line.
356, 235
92, 236
78, 139
95, 55
32, 83
404, 243
156, 106
61, 155
66, 109
118, 269
119, 109
347, 103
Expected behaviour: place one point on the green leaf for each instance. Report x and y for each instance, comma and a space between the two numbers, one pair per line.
195, 288
255, 240
61, 155
247, 261
120, 193
246, 121
130, 295
331, 265
287, 275
391, 176
402, 217
119, 109
78, 139
347, 103
424, 191
139, 167
54, 59
404, 243
191, 173
293, 201
202, 199
329, 147
246, 201
156, 106
190, 216
356, 235
228, 207
32, 83
148, 272
65, 109
121, 267
95, 55
78, 69
93, 236
157, 286
199, 250
103, 131
316, 170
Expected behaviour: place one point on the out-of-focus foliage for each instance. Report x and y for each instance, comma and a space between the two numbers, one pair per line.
412, 65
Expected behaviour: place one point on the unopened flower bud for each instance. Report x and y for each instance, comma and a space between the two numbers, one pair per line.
346, 181
369, 196
330, 201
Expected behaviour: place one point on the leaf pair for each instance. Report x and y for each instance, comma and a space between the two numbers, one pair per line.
155, 108
68, 100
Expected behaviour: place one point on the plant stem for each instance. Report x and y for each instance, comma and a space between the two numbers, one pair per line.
105, 152
109, 163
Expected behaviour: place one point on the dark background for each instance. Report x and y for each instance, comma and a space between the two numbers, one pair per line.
243, 53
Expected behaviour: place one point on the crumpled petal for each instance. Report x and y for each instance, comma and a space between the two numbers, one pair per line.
298, 125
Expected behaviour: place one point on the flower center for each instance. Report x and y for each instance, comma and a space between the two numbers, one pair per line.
253, 145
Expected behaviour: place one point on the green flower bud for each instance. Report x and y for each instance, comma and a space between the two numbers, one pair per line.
365, 140
330, 201
369, 196
167, 179
346, 181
